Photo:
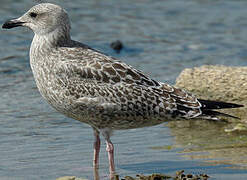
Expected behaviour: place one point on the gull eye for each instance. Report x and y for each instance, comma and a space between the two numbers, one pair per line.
33, 14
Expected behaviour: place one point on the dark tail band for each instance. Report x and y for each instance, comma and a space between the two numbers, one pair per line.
208, 107
207, 104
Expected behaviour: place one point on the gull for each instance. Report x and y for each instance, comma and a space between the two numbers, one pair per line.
100, 90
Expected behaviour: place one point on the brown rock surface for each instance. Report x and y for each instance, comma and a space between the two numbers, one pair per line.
220, 83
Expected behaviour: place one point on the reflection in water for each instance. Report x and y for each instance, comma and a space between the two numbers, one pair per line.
96, 176
96, 173
208, 140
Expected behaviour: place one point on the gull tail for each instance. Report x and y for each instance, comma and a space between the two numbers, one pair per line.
208, 108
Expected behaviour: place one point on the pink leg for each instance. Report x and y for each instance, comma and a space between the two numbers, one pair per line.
110, 150
106, 132
96, 149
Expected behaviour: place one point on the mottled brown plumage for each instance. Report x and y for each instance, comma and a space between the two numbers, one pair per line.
97, 89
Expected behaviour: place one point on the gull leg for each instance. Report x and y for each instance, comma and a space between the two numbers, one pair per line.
96, 147
110, 150
106, 132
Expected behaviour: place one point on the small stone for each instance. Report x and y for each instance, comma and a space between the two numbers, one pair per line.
117, 46
128, 178
66, 178
189, 176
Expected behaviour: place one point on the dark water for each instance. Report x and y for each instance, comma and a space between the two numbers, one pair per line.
161, 38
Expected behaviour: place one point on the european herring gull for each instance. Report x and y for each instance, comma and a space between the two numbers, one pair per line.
94, 88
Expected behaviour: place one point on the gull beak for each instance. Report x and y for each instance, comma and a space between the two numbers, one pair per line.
12, 23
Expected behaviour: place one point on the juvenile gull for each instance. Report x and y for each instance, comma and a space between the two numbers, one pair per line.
91, 87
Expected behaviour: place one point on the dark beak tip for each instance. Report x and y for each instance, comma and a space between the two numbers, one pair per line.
5, 26
11, 24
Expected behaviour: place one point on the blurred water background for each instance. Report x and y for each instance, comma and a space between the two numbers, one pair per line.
161, 38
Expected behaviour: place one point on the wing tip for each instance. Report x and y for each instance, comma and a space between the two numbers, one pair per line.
208, 104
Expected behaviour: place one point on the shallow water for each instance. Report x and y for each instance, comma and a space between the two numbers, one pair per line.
161, 38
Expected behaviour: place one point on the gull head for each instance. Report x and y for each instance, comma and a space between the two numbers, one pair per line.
42, 19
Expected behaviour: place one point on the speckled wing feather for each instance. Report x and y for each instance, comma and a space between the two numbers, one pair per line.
132, 88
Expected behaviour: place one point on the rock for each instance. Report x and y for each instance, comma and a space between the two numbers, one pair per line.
221, 83
66, 178
180, 175
69, 178
238, 128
